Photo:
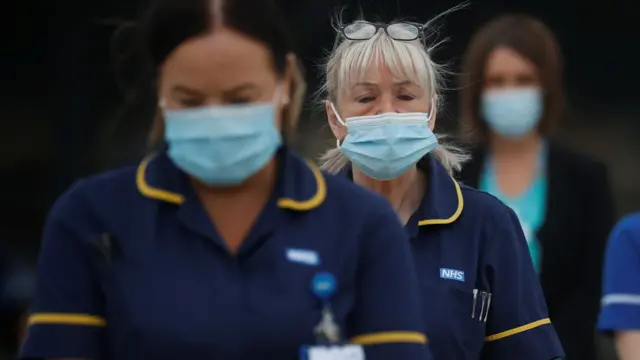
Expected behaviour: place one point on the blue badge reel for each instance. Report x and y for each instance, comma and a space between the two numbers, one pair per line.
329, 343
323, 286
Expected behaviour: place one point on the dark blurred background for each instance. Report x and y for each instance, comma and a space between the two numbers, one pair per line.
64, 117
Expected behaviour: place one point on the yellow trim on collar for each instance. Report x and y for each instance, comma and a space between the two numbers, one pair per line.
286, 203
453, 217
154, 193
316, 200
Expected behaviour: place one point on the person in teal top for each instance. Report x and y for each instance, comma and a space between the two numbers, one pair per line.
530, 205
511, 100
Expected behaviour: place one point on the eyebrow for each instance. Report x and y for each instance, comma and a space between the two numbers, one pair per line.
241, 87
189, 91
397, 83
185, 89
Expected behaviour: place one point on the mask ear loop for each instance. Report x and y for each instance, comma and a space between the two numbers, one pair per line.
432, 111
335, 112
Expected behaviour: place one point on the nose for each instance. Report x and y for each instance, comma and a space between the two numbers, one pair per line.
386, 105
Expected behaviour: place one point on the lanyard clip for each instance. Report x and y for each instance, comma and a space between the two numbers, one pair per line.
327, 331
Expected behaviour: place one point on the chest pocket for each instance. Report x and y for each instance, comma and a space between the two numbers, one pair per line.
453, 333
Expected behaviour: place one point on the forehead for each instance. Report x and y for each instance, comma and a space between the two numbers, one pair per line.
221, 57
383, 63
504, 60
380, 73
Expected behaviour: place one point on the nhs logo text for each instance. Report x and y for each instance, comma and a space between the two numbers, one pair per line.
452, 274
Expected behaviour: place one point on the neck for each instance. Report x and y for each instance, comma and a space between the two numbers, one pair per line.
401, 192
258, 186
502, 147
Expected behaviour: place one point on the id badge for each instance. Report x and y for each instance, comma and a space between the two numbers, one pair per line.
335, 352
329, 345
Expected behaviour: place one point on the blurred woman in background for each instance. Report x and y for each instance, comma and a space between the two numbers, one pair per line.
512, 96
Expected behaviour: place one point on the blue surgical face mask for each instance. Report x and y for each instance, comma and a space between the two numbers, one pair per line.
222, 145
512, 113
385, 146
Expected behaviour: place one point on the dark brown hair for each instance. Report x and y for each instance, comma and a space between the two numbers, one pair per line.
168, 23
530, 38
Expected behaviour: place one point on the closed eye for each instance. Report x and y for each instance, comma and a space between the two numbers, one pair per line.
405, 97
239, 100
366, 99
191, 103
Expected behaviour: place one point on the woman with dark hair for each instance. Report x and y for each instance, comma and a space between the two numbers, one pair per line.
225, 245
512, 98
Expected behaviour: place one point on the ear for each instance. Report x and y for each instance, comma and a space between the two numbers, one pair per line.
287, 81
339, 130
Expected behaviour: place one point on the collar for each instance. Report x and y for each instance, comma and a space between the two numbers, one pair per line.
442, 203
301, 185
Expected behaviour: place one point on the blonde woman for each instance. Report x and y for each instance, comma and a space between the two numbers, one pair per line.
482, 299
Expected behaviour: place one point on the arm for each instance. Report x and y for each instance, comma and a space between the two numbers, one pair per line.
628, 345
518, 326
580, 310
8, 313
620, 312
18, 287
67, 319
600, 221
388, 313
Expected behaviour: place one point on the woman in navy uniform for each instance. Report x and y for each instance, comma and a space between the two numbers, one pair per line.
226, 245
482, 299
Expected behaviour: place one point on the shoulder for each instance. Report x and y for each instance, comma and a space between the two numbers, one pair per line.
623, 249
630, 222
344, 196
489, 220
85, 210
102, 190
480, 203
343, 192
627, 229
113, 181
579, 163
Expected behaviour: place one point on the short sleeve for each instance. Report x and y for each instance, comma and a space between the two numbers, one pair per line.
518, 325
621, 287
67, 319
388, 317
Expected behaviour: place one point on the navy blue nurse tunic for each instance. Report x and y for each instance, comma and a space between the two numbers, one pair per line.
621, 285
482, 298
131, 267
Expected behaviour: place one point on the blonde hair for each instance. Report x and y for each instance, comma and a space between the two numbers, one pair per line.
348, 63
